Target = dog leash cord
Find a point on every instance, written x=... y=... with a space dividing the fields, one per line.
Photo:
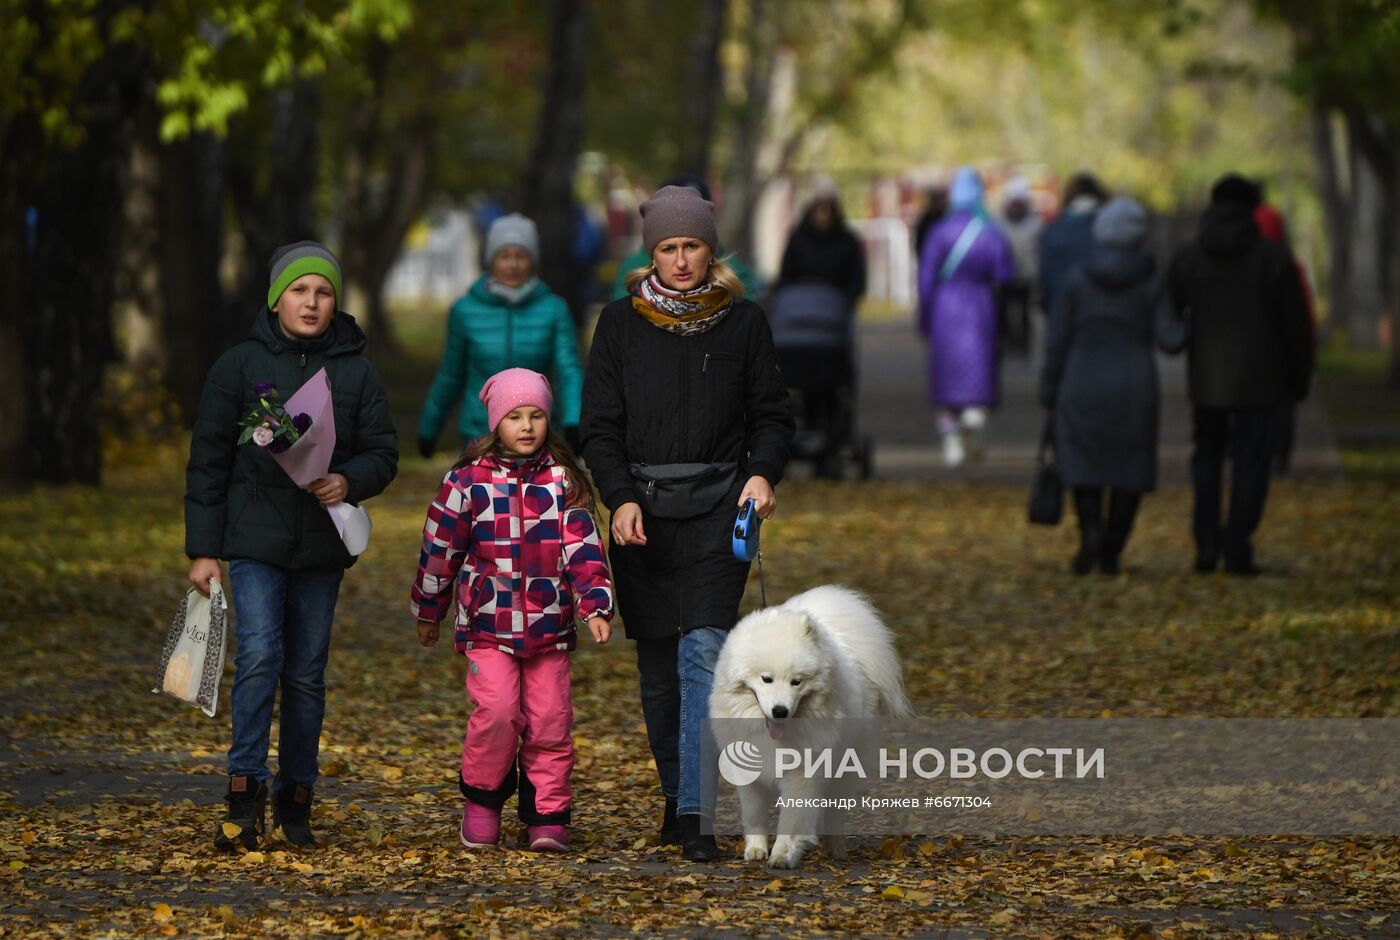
x=762 y=591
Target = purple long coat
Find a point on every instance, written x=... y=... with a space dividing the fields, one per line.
x=959 y=316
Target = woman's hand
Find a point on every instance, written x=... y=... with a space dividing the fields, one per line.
x=427 y=633
x=600 y=629
x=202 y=570
x=758 y=490
x=627 y=525
x=331 y=488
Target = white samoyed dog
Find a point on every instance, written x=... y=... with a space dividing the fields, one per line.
x=810 y=669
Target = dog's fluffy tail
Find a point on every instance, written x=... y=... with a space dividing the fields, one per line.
x=840 y=609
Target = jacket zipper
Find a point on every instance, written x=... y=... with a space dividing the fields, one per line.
x=684 y=431
x=518 y=607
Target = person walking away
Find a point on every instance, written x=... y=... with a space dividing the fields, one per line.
x=512 y=528
x=812 y=314
x=1022 y=225
x=965 y=261
x=285 y=558
x=1067 y=241
x=1273 y=227
x=508 y=318
x=1250 y=350
x=681 y=372
x=935 y=208
x=1100 y=380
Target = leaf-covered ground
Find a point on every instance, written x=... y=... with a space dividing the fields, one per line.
x=110 y=794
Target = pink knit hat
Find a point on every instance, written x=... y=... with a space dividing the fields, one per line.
x=508 y=389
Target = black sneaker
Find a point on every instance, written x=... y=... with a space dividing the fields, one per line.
x=291 y=811
x=243 y=825
x=670 y=827
x=696 y=846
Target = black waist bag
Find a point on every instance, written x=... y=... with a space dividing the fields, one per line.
x=682 y=490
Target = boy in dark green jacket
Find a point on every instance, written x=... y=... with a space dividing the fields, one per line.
x=285 y=557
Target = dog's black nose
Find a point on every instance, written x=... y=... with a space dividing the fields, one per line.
x=780 y=712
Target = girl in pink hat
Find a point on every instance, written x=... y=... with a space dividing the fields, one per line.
x=514 y=518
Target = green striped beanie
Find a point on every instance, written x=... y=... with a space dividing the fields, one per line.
x=292 y=261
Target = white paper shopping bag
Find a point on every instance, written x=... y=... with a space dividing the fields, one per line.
x=192 y=662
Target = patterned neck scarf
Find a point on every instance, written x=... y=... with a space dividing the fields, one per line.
x=687 y=312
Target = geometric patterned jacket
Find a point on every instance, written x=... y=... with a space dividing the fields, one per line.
x=527 y=564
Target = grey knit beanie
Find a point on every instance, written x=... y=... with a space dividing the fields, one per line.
x=513 y=229
x=678 y=211
x=292 y=261
x=1123 y=223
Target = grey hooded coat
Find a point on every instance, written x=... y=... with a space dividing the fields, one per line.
x=1100 y=373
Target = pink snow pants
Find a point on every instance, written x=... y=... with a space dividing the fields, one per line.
x=526 y=700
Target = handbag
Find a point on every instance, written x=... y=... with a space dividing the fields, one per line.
x=1047 y=491
x=682 y=490
x=192 y=660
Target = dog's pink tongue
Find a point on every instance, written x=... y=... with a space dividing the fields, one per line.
x=775 y=730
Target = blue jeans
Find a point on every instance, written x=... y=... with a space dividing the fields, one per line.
x=695 y=665
x=676 y=676
x=282 y=622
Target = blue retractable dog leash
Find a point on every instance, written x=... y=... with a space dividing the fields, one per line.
x=745 y=543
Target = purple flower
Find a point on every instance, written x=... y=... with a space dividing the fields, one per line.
x=279 y=445
x=301 y=422
x=263 y=388
x=262 y=436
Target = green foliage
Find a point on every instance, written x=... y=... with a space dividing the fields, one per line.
x=1158 y=98
x=1346 y=52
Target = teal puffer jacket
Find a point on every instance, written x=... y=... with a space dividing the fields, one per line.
x=239 y=503
x=485 y=334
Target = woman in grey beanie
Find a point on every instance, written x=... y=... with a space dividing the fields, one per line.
x=1100 y=380
x=682 y=372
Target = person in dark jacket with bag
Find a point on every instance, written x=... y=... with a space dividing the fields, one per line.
x=285 y=558
x=823 y=249
x=1250 y=351
x=685 y=418
x=1100 y=380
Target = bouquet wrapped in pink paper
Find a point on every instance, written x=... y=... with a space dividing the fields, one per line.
x=300 y=436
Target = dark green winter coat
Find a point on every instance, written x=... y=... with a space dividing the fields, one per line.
x=239 y=503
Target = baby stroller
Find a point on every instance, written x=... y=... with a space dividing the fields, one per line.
x=814 y=337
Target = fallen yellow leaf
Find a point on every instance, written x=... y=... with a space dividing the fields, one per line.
x=892 y=892
x=252 y=858
x=163 y=912
x=302 y=867
x=1003 y=917
x=231 y=830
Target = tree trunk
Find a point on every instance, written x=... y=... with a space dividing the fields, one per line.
x=1375 y=200
x=281 y=209
x=1337 y=205
x=379 y=212
x=19 y=142
x=744 y=182
x=548 y=181
x=69 y=299
x=707 y=83
x=190 y=247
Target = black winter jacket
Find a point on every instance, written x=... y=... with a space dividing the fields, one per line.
x=239 y=503
x=832 y=257
x=1251 y=339
x=651 y=396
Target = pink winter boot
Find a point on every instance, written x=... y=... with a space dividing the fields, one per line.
x=481 y=826
x=548 y=838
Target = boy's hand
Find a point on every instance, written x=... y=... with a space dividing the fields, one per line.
x=331 y=488
x=600 y=629
x=427 y=633
x=201 y=571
